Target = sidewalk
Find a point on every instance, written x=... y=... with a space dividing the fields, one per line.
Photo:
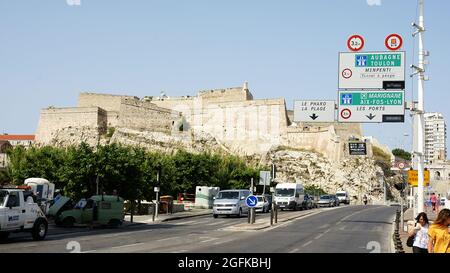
x=164 y=217
x=409 y=222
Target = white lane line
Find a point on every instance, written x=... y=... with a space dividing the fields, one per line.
x=318 y=236
x=294 y=250
x=223 y=242
x=215 y=223
x=324 y=226
x=179 y=251
x=184 y=223
x=125 y=233
x=136 y=244
x=169 y=238
x=342 y=228
x=307 y=244
x=328 y=230
x=89 y=251
x=209 y=240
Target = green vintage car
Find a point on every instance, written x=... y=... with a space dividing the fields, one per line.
x=104 y=210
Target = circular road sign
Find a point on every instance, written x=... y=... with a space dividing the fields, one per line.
x=393 y=42
x=355 y=42
x=401 y=165
x=251 y=201
x=347 y=73
x=346 y=113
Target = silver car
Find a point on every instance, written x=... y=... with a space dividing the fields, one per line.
x=230 y=202
x=326 y=201
x=263 y=204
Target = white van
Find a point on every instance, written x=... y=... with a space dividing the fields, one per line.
x=230 y=202
x=289 y=195
x=343 y=197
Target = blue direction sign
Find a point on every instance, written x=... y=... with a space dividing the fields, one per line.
x=251 y=201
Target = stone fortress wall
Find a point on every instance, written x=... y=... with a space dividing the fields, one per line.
x=231 y=116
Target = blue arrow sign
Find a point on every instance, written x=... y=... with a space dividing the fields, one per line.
x=251 y=201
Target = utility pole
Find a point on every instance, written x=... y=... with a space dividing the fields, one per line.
x=419 y=111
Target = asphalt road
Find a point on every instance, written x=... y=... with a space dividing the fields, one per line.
x=343 y=229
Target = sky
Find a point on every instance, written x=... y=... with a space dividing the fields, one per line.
x=52 y=50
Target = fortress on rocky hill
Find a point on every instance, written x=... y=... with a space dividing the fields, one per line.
x=231 y=117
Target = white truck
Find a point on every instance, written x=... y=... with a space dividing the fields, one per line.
x=343 y=197
x=289 y=196
x=19 y=213
x=43 y=189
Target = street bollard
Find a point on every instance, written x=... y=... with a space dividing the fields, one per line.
x=253 y=215
x=276 y=214
x=271 y=215
x=249 y=217
x=154 y=212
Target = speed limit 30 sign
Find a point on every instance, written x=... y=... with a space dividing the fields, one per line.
x=355 y=42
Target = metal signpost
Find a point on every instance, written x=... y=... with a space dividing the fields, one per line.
x=314 y=110
x=371 y=106
x=251 y=202
x=372 y=70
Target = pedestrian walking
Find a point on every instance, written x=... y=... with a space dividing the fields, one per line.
x=439 y=233
x=433 y=199
x=419 y=234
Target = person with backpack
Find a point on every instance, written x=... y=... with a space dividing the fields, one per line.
x=418 y=236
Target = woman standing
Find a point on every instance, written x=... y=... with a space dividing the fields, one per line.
x=439 y=233
x=420 y=233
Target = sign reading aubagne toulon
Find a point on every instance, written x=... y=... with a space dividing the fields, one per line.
x=372 y=70
x=371 y=106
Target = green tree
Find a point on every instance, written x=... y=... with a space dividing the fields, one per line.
x=401 y=153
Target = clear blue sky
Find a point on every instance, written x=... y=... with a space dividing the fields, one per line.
x=50 y=51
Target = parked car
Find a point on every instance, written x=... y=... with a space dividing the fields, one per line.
x=325 y=201
x=442 y=201
x=230 y=202
x=343 y=197
x=336 y=200
x=263 y=204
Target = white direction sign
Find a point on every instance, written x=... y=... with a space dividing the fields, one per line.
x=314 y=111
x=371 y=106
x=264 y=178
x=372 y=70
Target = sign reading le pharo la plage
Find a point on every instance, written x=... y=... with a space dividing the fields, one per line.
x=371 y=106
x=314 y=111
x=372 y=70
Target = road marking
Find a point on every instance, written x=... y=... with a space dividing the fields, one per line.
x=179 y=251
x=223 y=242
x=328 y=230
x=169 y=238
x=184 y=223
x=89 y=251
x=342 y=228
x=215 y=223
x=294 y=250
x=136 y=244
x=318 y=236
x=209 y=240
x=124 y=233
x=306 y=244
x=324 y=226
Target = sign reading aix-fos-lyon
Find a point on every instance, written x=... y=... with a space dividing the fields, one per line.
x=371 y=106
x=372 y=70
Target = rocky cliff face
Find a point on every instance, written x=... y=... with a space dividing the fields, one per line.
x=356 y=175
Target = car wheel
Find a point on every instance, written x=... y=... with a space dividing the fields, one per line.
x=4 y=236
x=114 y=223
x=215 y=215
x=39 y=229
x=68 y=222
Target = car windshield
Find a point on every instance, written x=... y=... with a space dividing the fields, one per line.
x=325 y=197
x=228 y=195
x=260 y=199
x=340 y=194
x=284 y=192
x=3 y=195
